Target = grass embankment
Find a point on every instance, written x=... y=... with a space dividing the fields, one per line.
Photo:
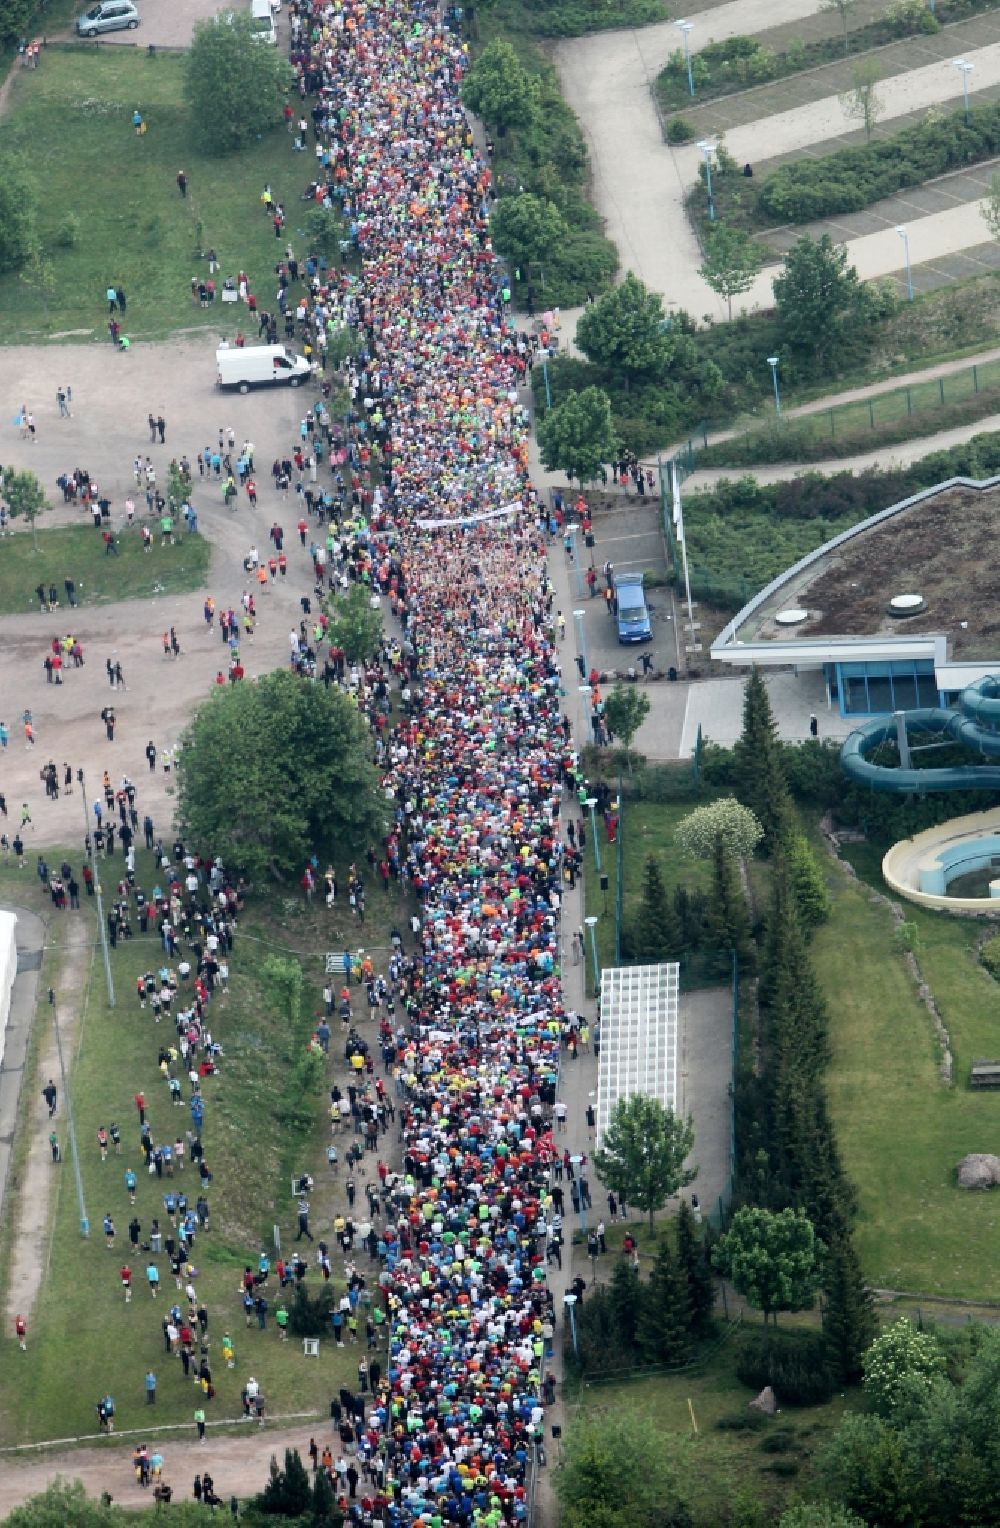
x=865 y=424
x=84 y=1339
x=133 y=227
x=900 y=1129
x=77 y=552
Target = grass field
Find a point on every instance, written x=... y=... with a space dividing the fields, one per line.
x=251 y=1149
x=77 y=551
x=865 y=423
x=901 y=1131
x=725 y=1464
x=133 y=227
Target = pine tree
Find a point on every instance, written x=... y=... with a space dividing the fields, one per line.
x=758 y=767
x=288 y=1492
x=730 y=920
x=656 y=934
x=665 y=1315
x=324 y=1503
x=812 y=895
x=625 y=1294
x=849 y=1322
x=695 y=1270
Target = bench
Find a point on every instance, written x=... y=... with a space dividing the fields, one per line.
x=985 y=1074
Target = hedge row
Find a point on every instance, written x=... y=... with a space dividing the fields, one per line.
x=853 y=178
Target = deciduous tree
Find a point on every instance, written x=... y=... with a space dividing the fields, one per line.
x=620 y=1469
x=625 y=710
x=727 y=821
x=773 y=1260
x=626 y=331
x=499 y=89
x=234 y=87
x=816 y=297
x=527 y=227
x=25 y=497
x=577 y=436
x=643 y=1153
x=18 y=214
x=276 y=771
x=731 y=264
x=355 y=623
x=899 y=1362
x=862 y=101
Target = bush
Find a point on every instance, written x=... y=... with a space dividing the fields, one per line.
x=68 y=232
x=743 y=1422
x=780 y=1442
x=990 y=956
x=309 y=1314
x=679 y=130
x=850 y=179
x=794 y=1364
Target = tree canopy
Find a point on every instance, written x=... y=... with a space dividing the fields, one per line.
x=276 y=770
x=772 y=1259
x=577 y=436
x=355 y=623
x=620 y=1469
x=626 y=331
x=725 y=822
x=527 y=227
x=499 y=89
x=235 y=87
x=731 y=263
x=24 y=496
x=816 y=297
x=625 y=710
x=18 y=211
x=643 y=1151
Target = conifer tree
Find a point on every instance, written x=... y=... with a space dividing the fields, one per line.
x=696 y=1270
x=656 y=932
x=758 y=768
x=849 y=1323
x=324 y=1503
x=812 y=895
x=665 y=1314
x=625 y=1294
x=729 y=915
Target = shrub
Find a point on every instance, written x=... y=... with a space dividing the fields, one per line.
x=68 y=232
x=743 y=1421
x=990 y=956
x=782 y=1467
x=679 y=130
x=781 y=1441
x=794 y=1364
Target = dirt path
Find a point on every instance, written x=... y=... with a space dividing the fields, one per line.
x=39 y=1183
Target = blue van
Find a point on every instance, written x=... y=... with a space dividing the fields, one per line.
x=633 y=617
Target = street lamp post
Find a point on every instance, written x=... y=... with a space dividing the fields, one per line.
x=685 y=29
x=577 y=1161
x=591 y=805
x=572 y=532
x=965 y=69
x=581 y=641
x=708 y=149
x=591 y=923
x=772 y=361
x=545 y=378
x=904 y=235
x=585 y=712
x=570 y=1301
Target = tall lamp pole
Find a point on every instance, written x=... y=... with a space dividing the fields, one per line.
x=772 y=361
x=965 y=69
x=591 y=805
x=708 y=149
x=570 y=1301
x=581 y=640
x=685 y=30
x=591 y=923
x=904 y=235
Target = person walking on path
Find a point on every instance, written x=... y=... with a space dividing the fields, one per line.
x=49 y=1094
x=199 y=1421
x=21 y=1332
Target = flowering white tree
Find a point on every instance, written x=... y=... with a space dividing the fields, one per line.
x=727 y=821
x=900 y=1363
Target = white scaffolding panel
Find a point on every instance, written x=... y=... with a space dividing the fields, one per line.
x=639 y=1037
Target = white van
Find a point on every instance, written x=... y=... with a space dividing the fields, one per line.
x=262 y=16
x=259 y=365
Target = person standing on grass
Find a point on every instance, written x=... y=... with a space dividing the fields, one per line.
x=21 y=1332
x=199 y=1420
x=182 y=183
x=150 y=1388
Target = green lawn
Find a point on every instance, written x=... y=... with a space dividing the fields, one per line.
x=648 y=830
x=251 y=1151
x=134 y=228
x=725 y=1463
x=77 y=551
x=900 y=1130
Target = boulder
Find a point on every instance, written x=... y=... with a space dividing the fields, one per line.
x=765 y=1402
x=979 y=1170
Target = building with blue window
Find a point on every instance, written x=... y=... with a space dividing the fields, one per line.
x=901 y=611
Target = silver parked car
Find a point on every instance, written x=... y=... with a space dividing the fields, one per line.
x=107 y=16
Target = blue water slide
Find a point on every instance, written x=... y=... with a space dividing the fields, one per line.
x=974 y=723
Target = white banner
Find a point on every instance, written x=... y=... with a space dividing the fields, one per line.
x=678 y=512
x=462 y=520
